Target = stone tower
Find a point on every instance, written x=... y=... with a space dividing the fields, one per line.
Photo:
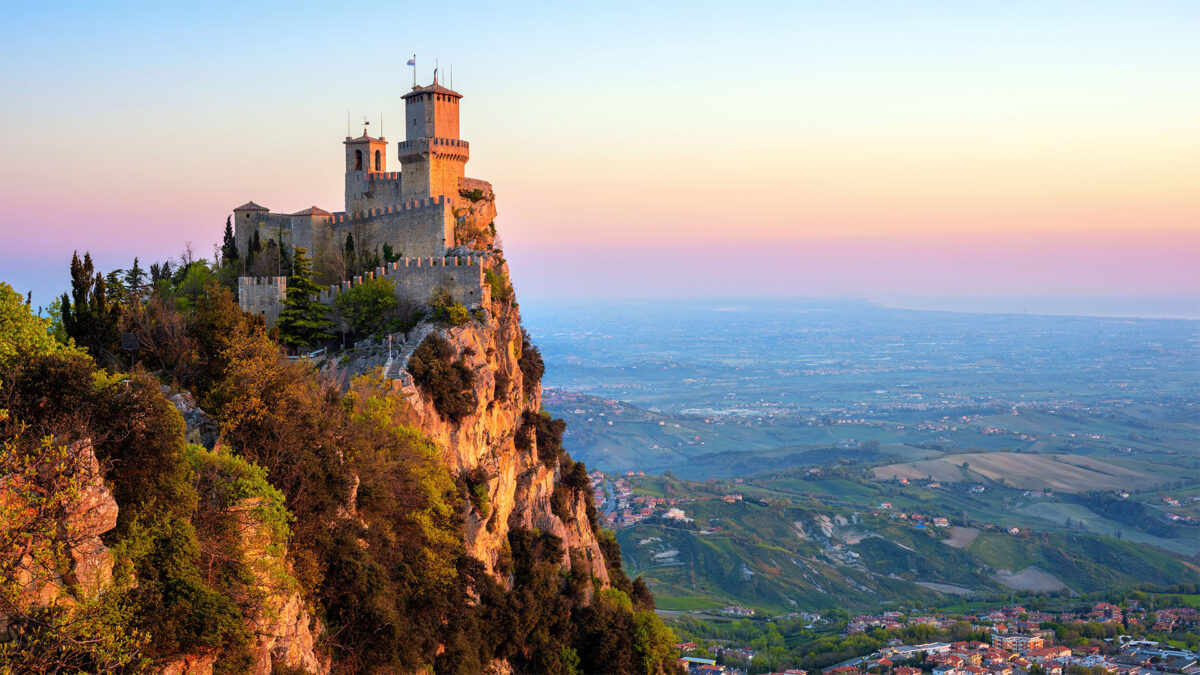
x=432 y=158
x=364 y=155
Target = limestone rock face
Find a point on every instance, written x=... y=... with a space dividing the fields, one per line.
x=93 y=514
x=473 y=226
x=519 y=486
x=285 y=632
x=88 y=563
x=190 y=664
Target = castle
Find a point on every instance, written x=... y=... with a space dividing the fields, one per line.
x=429 y=213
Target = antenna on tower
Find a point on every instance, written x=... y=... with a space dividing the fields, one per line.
x=435 y=69
x=452 y=75
x=347 y=123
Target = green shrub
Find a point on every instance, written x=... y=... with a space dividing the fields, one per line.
x=501 y=288
x=547 y=432
x=448 y=312
x=446 y=380
x=475 y=482
x=224 y=480
x=473 y=195
x=173 y=604
x=532 y=366
x=560 y=502
x=500 y=387
x=367 y=307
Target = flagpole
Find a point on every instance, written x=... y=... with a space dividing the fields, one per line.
x=414 y=71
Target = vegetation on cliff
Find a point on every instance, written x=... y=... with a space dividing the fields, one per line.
x=357 y=510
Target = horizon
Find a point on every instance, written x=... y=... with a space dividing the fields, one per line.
x=1169 y=308
x=1029 y=150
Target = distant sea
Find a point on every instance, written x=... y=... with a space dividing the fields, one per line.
x=1150 y=307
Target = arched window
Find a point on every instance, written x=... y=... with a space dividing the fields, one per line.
x=358 y=160
x=378 y=162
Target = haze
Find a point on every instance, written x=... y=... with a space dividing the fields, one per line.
x=886 y=151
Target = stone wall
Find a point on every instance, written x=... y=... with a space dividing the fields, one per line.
x=269 y=226
x=413 y=279
x=419 y=279
x=419 y=228
x=416 y=229
x=262 y=296
x=432 y=166
x=372 y=190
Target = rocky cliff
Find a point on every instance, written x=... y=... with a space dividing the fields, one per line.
x=74 y=508
x=485 y=442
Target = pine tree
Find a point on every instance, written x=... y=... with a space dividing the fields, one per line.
x=304 y=321
x=114 y=282
x=135 y=281
x=229 y=250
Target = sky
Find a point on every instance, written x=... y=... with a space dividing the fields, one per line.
x=881 y=150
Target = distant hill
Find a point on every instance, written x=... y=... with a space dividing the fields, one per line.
x=819 y=542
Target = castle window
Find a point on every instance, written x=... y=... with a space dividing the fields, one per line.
x=378 y=161
x=358 y=160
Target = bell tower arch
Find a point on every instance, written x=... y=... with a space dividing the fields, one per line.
x=364 y=155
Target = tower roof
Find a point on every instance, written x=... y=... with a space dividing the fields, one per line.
x=434 y=88
x=364 y=139
x=313 y=211
x=251 y=206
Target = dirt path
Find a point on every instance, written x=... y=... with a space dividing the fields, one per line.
x=945 y=588
x=1032 y=578
x=961 y=537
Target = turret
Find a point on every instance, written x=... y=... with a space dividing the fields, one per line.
x=432 y=157
x=364 y=155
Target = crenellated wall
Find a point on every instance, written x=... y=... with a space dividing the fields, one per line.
x=419 y=279
x=372 y=190
x=262 y=296
x=419 y=228
x=413 y=280
x=432 y=166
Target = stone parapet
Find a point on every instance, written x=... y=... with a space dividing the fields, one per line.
x=442 y=147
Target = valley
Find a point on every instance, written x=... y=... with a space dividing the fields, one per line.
x=823 y=455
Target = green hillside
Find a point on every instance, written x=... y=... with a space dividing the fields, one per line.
x=800 y=541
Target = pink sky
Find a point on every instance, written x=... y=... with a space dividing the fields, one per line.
x=782 y=149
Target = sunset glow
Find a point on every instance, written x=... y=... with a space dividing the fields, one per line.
x=863 y=150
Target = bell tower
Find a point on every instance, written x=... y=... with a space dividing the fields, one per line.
x=364 y=155
x=432 y=157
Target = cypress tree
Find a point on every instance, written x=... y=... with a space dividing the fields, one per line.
x=351 y=269
x=229 y=250
x=86 y=313
x=284 y=263
x=252 y=250
x=304 y=321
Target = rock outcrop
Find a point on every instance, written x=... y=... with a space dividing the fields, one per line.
x=520 y=487
x=199 y=427
x=86 y=567
x=474 y=218
x=285 y=631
